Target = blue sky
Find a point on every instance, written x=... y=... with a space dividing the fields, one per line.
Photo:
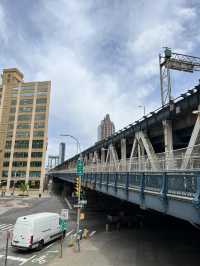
x=101 y=56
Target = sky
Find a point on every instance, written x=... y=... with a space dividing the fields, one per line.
x=100 y=55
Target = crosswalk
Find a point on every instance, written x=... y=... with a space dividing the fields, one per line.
x=5 y=227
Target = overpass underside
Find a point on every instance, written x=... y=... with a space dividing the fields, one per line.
x=154 y=162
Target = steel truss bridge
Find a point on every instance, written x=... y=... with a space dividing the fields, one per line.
x=154 y=162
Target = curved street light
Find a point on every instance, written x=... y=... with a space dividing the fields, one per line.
x=77 y=141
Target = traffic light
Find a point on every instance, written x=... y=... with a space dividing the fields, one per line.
x=77 y=186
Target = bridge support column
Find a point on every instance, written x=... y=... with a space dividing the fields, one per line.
x=103 y=157
x=112 y=158
x=168 y=141
x=192 y=142
x=123 y=154
x=143 y=137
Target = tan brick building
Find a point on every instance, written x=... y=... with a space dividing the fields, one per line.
x=24 y=108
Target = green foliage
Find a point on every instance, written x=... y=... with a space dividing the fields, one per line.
x=24 y=187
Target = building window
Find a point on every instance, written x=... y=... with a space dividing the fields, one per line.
x=21 y=144
x=29 y=88
x=34 y=174
x=7 y=154
x=41 y=108
x=5 y=173
x=8 y=144
x=10 y=126
x=24 y=117
x=13 y=102
x=42 y=88
x=41 y=100
x=37 y=144
x=22 y=134
x=23 y=126
x=39 y=125
x=25 y=109
x=19 y=164
x=26 y=101
x=9 y=134
x=40 y=117
x=20 y=154
x=5 y=163
x=18 y=173
x=12 y=118
x=36 y=154
x=12 y=109
x=38 y=134
x=36 y=164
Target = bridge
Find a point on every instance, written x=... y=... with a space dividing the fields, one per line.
x=154 y=162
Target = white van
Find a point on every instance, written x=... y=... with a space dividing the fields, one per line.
x=33 y=231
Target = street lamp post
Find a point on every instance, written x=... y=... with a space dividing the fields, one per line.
x=79 y=198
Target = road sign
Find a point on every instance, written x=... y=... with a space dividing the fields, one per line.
x=63 y=224
x=65 y=214
x=84 y=202
x=78 y=206
x=79 y=167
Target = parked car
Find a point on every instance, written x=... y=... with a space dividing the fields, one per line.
x=35 y=230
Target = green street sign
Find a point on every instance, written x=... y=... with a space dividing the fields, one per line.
x=62 y=224
x=79 y=167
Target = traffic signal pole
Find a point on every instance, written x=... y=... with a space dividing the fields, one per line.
x=78 y=217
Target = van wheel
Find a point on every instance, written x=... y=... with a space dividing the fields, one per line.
x=40 y=245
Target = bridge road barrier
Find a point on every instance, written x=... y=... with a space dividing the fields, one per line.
x=176 y=193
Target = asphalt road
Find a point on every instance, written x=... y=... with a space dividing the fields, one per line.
x=160 y=241
x=8 y=218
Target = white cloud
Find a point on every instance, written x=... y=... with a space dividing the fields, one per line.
x=66 y=47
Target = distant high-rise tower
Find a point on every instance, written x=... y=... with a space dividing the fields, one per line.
x=61 y=152
x=106 y=128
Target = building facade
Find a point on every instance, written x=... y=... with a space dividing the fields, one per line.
x=106 y=128
x=61 y=152
x=24 y=109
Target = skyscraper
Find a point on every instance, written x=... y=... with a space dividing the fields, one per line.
x=106 y=128
x=61 y=152
x=24 y=109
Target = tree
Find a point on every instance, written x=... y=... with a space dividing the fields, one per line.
x=24 y=187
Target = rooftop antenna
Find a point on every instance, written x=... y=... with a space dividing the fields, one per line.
x=174 y=61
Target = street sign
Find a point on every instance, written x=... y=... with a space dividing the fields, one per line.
x=65 y=214
x=78 y=206
x=79 y=167
x=84 y=202
x=63 y=224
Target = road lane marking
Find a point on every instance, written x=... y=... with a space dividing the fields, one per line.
x=68 y=203
x=27 y=260
x=49 y=246
x=69 y=233
x=53 y=251
x=91 y=234
x=7 y=228
x=4 y=227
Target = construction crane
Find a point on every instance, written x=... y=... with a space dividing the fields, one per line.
x=174 y=61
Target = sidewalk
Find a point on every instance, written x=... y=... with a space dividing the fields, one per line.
x=103 y=249
x=90 y=255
